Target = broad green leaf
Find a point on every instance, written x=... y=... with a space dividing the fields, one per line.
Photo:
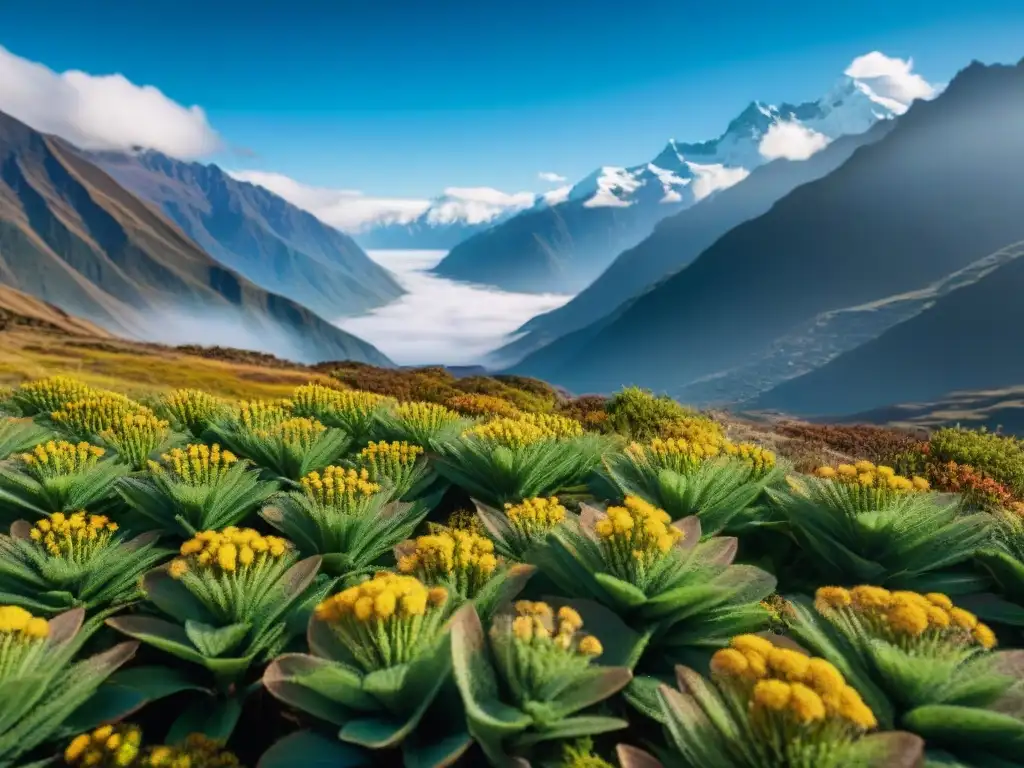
x=214 y=717
x=622 y=593
x=569 y=728
x=967 y=728
x=215 y=641
x=311 y=750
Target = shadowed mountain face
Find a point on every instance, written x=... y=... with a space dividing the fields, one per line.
x=248 y=229
x=679 y=239
x=968 y=340
x=940 y=190
x=72 y=236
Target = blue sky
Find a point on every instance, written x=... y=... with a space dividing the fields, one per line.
x=407 y=98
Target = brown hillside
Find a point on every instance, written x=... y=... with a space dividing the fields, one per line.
x=72 y=236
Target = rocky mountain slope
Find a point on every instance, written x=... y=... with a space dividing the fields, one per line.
x=679 y=239
x=72 y=236
x=251 y=230
x=942 y=188
x=563 y=248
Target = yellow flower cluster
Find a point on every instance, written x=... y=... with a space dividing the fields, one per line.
x=227 y=551
x=555 y=425
x=198 y=751
x=257 y=415
x=637 y=532
x=316 y=398
x=460 y=520
x=866 y=475
x=534 y=517
x=338 y=487
x=138 y=428
x=685 y=454
x=62 y=458
x=97 y=413
x=760 y=459
x=908 y=619
x=196 y=465
x=108 y=745
x=694 y=429
x=483 y=405
x=18 y=622
x=51 y=394
x=74 y=537
x=192 y=408
x=536 y=624
x=386 y=597
x=462 y=557
x=426 y=415
x=787 y=683
x=512 y=433
x=389 y=460
x=298 y=432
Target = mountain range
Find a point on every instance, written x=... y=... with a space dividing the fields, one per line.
x=563 y=248
x=679 y=239
x=248 y=229
x=941 y=190
x=72 y=236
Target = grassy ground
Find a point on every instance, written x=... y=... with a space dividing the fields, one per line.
x=135 y=369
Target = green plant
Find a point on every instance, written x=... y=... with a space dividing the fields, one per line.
x=508 y=460
x=379 y=659
x=343 y=517
x=401 y=468
x=464 y=563
x=658 y=577
x=864 y=524
x=191 y=410
x=86 y=419
x=353 y=411
x=42 y=684
x=519 y=527
x=18 y=435
x=135 y=438
x=920 y=662
x=57 y=476
x=997 y=456
x=44 y=396
x=718 y=481
x=232 y=599
x=196 y=488
x=766 y=706
x=285 y=445
x=526 y=680
x=425 y=424
x=70 y=561
x=639 y=415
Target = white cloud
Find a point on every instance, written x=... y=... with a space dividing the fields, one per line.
x=554 y=178
x=713 y=177
x=101 y=111
x=346 y=209
x=353 y=211
x=891 y=78
x=439 y=321
x=792 y=141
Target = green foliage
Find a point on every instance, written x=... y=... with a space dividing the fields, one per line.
x=528 y=679
x=639 y=415
x=66 y=562
x=997 y=456
x=194 y=489
x=18 y=435
x=43 y=684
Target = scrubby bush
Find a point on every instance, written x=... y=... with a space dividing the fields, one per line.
x=482 y=405
x=640 y=415
x=881 y=445
x=993 y=455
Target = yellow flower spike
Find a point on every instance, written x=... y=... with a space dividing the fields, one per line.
x=823 y=677
x=870 y=597
x=590 y=646
x=939 y=599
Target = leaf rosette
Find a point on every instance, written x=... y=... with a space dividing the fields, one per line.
x=379 y=658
